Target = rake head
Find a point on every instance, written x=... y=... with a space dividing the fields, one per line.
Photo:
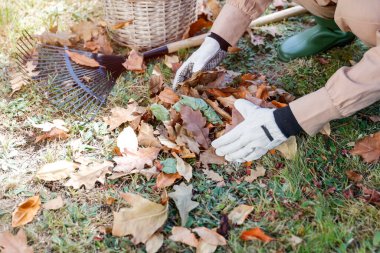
x=71 y=87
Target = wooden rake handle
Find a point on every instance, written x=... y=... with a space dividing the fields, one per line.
x=198 y=40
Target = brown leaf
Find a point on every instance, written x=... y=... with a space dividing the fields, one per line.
x=156 y=81
x=237 y=118
x=122 y=24
x=371 y=196
x=85 y=30
x=214 y=177
x=195 y=123
x=255 y=233
x=289 y=148
x=82 y=59
x=53 y=134
x=196 y=27
x=214 y=7
x=254 y=174
x=368 y=148
x=326 y=129
x=278 y=104
x=54 y=204
x=141 y=220
x=135 y=62
x=214 y=105
x=88 y=175
x=182 y=197
x=14 y=243
x=210 y=236
x=135 y=161
x=170 y=61
x=375 y=118
x=204 y=247
x=56 y=171
x=239 y=214
x=183 y=168
x=262 y=92
x=154 y=243
x=227 y=101
x=166 y=180
x=354 y=176
x=59 y=38
x=146 y=136
x=184 y=235
x=25 y=211
x=168 y=96
x=209 y=157
x=200 y=78
x=121 y=115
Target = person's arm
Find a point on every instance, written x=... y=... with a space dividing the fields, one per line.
x=349 y=90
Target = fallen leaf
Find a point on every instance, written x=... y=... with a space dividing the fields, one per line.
x=135 y=62
x=368 y=148
x=58 y=38
x=196 y=27
x=25 y=211
x=254 y=174
x=204 y=247
x=168 y=96
x=184 y=235
x=166 y=180
x=82 y=59
x=122 y=24
x=170 y=60
x=146 y=136
x=295 y=240
x=227 y=101
x=154 y=243
x=183 y=168
x=54 y=134
x=169 y=166
x=121 y=115
x=224 y=226
x=371 y=196
x=195 y=123
x=56 y=171
x=289 y=148
x=156 y=81
x=88 y=175
x=160 y=112
x=14 y=243
x=47 y=126
x=54 y=204
x=262 y=92
x=214 y=7
x=209 y=157
x=127 y=141
x=239 y=214
x=141 y=220
x=182 y=197
x=214 y=177
x=85 y=30
x=354 y=176
x=255 y=233
x=210 y=236
x=326 y=130
x=135 y=162
x=375 y=118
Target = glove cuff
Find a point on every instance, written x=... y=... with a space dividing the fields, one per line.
x=286 y=122
x=224 y=45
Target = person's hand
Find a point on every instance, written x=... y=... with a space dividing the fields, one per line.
x=253 y=137
x=207 y=57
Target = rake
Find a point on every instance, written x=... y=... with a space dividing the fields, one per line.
x=74 y=88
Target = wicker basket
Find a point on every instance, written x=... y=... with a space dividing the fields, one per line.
x=155 y=22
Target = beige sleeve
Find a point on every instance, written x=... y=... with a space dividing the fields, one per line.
x=349 y=90
x=236 y=16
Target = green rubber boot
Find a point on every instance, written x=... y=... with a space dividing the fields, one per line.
x=325 y=35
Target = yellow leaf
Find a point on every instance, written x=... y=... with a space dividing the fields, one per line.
x=289 y=148
x=239 y=214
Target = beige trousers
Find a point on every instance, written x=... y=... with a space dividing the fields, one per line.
x=350 y=89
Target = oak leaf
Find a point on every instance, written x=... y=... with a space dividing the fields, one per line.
x=182 y=198
x=56 y=171
x=184 y=235
x=210 y=236
x=255 y=233
x=154 y=243
x=82 y=59
x=195 y=123
x=141 y=220
x=166 y=180
x=25 y=211
x=14 y=243
x=135 y=62
x=239 y=214
x=368 y=148
x=54 y=204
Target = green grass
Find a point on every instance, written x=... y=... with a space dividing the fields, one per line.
x=290 y=200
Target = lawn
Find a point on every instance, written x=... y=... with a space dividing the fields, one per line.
x=305 y=197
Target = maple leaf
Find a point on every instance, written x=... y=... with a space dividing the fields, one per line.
x=56 y=171
x=166 y=180
x=184 y=235
x=88 y=175
x=82 y=59
x=375 y=118
x=154 y=243
x=183 y=139
x=168 y=96
x=183 y=168
x=121 y=115
x=289 y=148
x=141 y=220
x=210 y=236
x=54 y=204
x=368 y=148
x=135 y=62
x=53 y=134
x=254 y=174
x=182 y=198
x=239 y=214
x=14 y=243
x=25 y=211
x=255 y=233
x=195 y=123
x=146 y=136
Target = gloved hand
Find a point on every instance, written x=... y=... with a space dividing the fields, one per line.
x=207 y=57
x=253 y=137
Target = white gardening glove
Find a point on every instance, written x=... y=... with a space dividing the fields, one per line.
x=253 y=137
x=207 y=57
